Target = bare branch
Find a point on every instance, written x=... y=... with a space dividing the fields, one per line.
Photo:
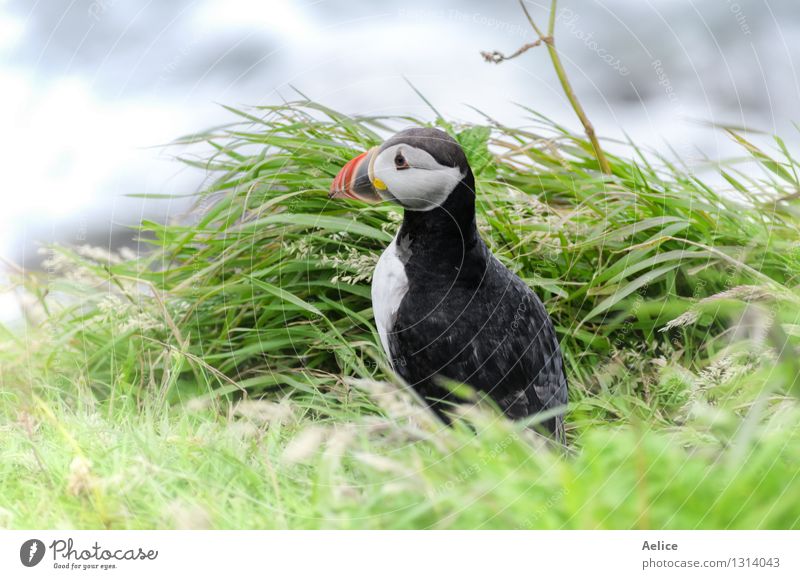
x=497 y=57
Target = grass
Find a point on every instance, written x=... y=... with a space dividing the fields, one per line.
x=230 y=376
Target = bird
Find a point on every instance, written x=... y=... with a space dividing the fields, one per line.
x=446 y=309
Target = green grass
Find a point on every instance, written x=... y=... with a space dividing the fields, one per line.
x=230 y=375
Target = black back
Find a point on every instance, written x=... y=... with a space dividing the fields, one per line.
x=467 y=317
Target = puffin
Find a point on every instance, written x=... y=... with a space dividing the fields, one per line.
x=446 y=309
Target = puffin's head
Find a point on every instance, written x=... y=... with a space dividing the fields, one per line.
x=418 y=168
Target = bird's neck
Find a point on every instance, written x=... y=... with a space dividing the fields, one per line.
x=446 y=232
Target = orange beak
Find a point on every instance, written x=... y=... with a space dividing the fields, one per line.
x=353 y=180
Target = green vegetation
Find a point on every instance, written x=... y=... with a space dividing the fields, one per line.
x=230 y=375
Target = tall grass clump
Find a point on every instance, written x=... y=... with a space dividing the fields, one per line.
x=229 y=373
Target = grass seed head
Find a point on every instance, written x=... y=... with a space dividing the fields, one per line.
x=80 y=480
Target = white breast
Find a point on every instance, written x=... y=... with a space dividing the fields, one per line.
x=389 y=285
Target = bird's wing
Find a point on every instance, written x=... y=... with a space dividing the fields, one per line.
x=527 y=356
x=496 y=337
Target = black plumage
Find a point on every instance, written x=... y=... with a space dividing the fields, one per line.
x=445 y=307
x=465 y=316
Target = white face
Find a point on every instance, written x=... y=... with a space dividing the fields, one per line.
x=413 y=177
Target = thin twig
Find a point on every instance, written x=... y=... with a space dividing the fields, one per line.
x=497 y=57
x=549 y=40
x=566 y=85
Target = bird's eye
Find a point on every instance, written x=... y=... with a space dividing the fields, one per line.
x=400 y=162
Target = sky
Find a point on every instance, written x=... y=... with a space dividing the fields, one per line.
x=91 y=90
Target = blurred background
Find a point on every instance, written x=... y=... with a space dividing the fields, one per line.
x=90 y=90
